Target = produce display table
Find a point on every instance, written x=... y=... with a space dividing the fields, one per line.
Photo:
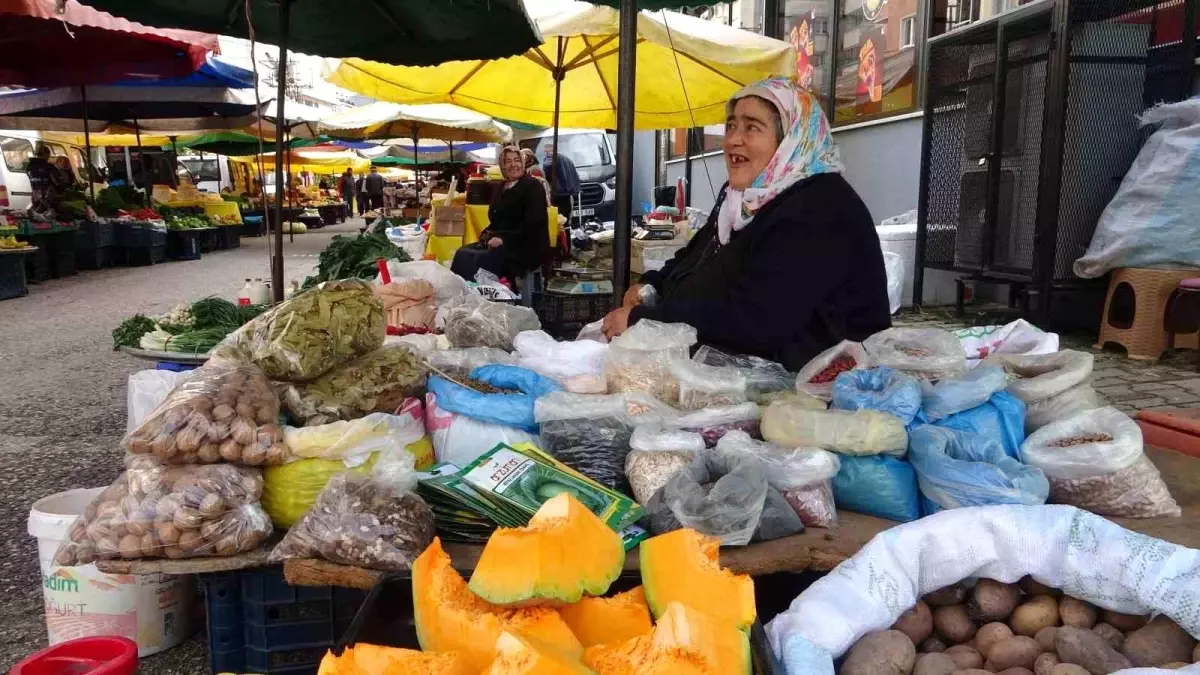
x=201 y=565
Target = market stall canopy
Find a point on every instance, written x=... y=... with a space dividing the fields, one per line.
x=308 y=160
x=107 y=139
x=686 y=70
x=114 y=103
x=234 y=143
x=45 y=47
x=214 y=72
x=400 y=153
x=420 y=32
x=442 y=121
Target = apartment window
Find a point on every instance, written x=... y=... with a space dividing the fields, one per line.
x=908 y=32
x=806 y=26
x=708 y=139
x=876 y=71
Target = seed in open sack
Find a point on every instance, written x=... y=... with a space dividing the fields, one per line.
x=1080 y=440
x=649 y=471
x=840 y=365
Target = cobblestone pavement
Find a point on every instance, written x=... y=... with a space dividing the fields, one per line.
x=62 y=404
x=1128 y=385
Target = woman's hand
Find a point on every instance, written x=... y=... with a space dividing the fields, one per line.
x=633 y=296
x=616 y=322
x=495 y=242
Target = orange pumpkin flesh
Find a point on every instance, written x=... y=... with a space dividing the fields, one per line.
x=618 y=618
x=521 y=655
x=450 y=618
x=684 y=566
x=367 y=659
x=684 y=641
x=565 y=553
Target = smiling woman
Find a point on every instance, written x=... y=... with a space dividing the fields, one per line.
x=789 y=263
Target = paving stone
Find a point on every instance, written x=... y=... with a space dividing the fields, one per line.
x=1140 y=403
x=1110 y=382
x=1183 y=398
x=1155 y=386
x=1105 y=373
x=1120 y=393
x=1192 y=384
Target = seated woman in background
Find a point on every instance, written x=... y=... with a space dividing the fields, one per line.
x=533 y=168
x=789 y=263
x=516 y=239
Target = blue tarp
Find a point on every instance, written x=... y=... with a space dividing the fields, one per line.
x=214 y=73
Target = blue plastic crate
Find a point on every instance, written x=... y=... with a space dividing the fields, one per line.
x=258 y=623
x=174 y=367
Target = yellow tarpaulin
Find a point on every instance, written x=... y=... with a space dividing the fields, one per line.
x=119 y=140
x=320 y=162
x=687 y=68
x=442 y=121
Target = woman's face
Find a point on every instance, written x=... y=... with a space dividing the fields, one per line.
x=750 y=141
x=512 y=165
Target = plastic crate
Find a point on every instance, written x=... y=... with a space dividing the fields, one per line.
x=257 y=623
x=183 y=244
x=37 y=263
x=229 y=236
x=95 y=234
x=12 y=275
x=62 y=255
x=252 y=226
x=563 y=315
x=175 y=367
x=142 y=256
x=141 y=243
x=95 y=258
x=209 y=239
x=386 y=618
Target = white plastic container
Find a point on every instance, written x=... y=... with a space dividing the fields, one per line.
x=244 y=295
x=260 y=294
x=153 y=610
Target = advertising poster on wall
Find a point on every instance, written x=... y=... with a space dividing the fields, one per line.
x=801 y=38
x=869 y=99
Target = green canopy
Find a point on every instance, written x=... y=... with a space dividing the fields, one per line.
x=235 y=143
x=403 y=32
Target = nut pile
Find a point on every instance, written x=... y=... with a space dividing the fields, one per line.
x=1080 y=440
x=362 y=521
x=157 y=511
x=215 y=416
x=1025 y=628
x=1137 y=491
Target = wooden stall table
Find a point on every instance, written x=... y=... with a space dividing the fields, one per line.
x=200 y=565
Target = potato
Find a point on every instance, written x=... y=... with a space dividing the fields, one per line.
x=934 y=664
x=163 y=447
x=1045 y=638
x=254 y=454
x=107 y=548
x=167 y=533
x=933 y=645
x=1044 y=663
x=209 y=453
x=990 y=634
x=265 y=413
x=886 y=652
x=916 y=623
x=245 y=408
x=231 y=451
x=227 y=545
x=1034 y=615
x=973 y=671
x=953 y=623
x=1076 y=612
x=1015 y=671
x=992 y=600
x=1015 y=652
x=172 y=552
x=149 y=546
x=1085 y=648
x=944 y=597
x=1068 y=669
x=1114 y=637
x=130 y=546
x=191 y=541
x=965 y=657
x=167 y=506
x=1126 y=623
x=1158 y=642
x=187 y=518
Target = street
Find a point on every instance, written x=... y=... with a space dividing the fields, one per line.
x=62 y=402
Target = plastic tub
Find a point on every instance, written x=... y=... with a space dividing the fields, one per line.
x=83 y=656
x=155 y=610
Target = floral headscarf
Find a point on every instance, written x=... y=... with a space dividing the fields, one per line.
x=806 y=150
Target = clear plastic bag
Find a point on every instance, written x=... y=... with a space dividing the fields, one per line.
x=649 y=470
x=653 y=438
x=512 y=406
x=639 y=359
x=289 y=491
x=953 y=395
x=882 y=389
x=802 y=475
x=713 y=423
x=721 y=496
x=312 y=333
x=1077 y=399
x=146 y=391
x=458 y=363
x=595 y=447
x=926 y=353
x=634 y=407
x=957 y=469
x=1036 y=378
x=702 y=386
x=375 y=521
x=375 y=382
x=862 y=432
x=461 y=439
x=1001 y=418
x=214 y=416
x=817 y=376
x=446 y=284
x=577 y=366
x=354 y=440
x=471 y=321
x=157 y=511
x=1095 y=460
x=878 y=485
x=763 y=377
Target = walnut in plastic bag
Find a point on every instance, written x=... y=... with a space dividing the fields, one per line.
x=155 y=511
x=1136 y=491
x=223 y=412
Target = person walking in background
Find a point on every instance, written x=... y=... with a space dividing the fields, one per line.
x=346 y=189
x=373 y=185
x=360 y=189
x=564 y=180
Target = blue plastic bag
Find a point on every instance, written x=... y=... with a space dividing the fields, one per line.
x=1002 y=418
x=877 y=485
x=510 y=410
x=959 y=468
x=882 y=389
x=962 y=393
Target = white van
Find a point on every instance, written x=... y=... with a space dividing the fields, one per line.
x=594 y=153
x=18 y=147
x=209 y=172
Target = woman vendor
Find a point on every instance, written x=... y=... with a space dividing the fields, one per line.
x=789 y=263
x=516 y=239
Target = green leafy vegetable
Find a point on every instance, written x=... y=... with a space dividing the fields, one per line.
x=131 y=330
x=354 y=257
x=197 y=341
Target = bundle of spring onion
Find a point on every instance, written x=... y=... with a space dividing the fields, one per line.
x=193 y=329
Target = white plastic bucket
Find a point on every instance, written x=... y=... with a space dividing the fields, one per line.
x=154 y=610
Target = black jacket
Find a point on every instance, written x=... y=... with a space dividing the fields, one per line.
x=518 y=216
x=805 y=274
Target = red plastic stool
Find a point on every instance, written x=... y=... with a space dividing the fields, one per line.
x=1182 y=313
x=82 y=656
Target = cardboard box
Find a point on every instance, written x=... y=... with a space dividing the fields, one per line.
x=449 y=221
x=637 y=264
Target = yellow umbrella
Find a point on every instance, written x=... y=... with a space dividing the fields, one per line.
x=112 y=139
x=441 y=121
x=318 y=162
x=686 y=70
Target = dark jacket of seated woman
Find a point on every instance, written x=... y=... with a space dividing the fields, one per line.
x=790 y=265
x=517 y=217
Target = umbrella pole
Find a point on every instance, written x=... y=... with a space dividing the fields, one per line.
x=175 y=149
x=87 y=144
x=417 y=178
x=291 y=205
x=626 y=71
x=277 y=264
x=558 y=78
x=137 y=135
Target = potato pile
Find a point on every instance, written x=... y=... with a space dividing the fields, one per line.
x=158 y=511
x=1024 y=628
x=223 y=412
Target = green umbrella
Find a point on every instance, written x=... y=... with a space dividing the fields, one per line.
x=403 y=32
x=235 y=143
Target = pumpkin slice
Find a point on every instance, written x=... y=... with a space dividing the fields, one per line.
x=564 y=553
x=684 y=566
x=684 y=641
x=522 y=655
x=618 y=618
x=450 y=618
x=367 y=659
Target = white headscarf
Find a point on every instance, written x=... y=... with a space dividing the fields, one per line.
x=806 y=150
